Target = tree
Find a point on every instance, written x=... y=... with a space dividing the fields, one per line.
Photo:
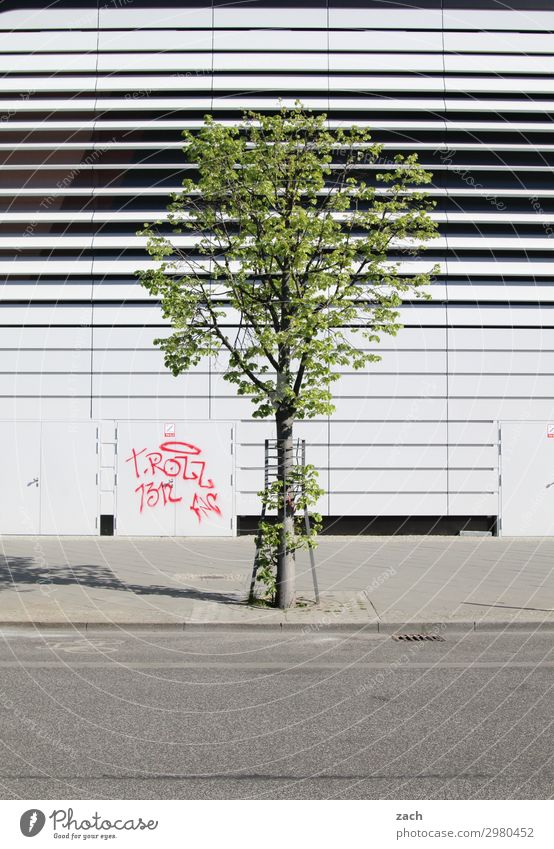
x=297 y=244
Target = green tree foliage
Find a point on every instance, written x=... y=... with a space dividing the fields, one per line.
x=299 y=235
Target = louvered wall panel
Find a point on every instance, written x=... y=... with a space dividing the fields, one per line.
x=92 y=101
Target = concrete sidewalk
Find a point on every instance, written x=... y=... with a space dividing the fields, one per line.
x=378 y=583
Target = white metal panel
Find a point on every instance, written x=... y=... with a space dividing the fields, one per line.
x=177 y=484
x=527 y=494
x=20 y=478
x=69 y=478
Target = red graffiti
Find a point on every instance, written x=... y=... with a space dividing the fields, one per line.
x=150 y=494
x=202 y=505
x=172 y=461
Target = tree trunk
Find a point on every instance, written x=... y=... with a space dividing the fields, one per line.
x=286 y=591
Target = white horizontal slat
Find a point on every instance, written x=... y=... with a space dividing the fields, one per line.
x=55 y=41
x=41 y=290
x=473 y=457
x=166 y=17
x=128 y=314
x=45 y=360
x=159 y=385
x=396 y=40
x=473 y=480
x=151 y=40
x=39 y=338
x=500 y=385
x=13 y=314
x=128 y=338
x=252 y=480
x=417 y=408
x=241 y=82
x=248 y=503
x=149 y=408
x=226 y=17
x=252 y=456
x=132 y=361
x=388 y=480
x=520 y=291
x=388 y=504
x=390 y=457
x=471 y=18
x=395 y=18
x=501 y=315
x=501 y=362
x=270 y=40
x=63 y=409
x=395 y=433
x=501 y=408
x=498 y=42
x=48 y=18
x=256 y=431
x=512 y=63
x=504 y=339
x=476 y=504
x=396 y=385
x=71 y=384
x=472 y=433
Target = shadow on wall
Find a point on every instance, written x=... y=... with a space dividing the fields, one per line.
x=24 y=574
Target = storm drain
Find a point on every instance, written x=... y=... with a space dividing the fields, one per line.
x=417 y=638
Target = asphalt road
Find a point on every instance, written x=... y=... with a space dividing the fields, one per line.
x=275 y=715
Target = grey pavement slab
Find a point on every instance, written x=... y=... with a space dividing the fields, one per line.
x=364 y=581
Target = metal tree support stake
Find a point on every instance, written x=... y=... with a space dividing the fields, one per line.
x=271 y=474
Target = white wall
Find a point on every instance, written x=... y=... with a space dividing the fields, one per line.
x=414 y=435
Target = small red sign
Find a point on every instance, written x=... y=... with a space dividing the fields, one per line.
x=169 y=429
x=550 y=431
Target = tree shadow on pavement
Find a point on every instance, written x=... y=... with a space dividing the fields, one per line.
x=24 y=574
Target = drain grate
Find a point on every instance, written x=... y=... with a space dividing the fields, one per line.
x=416 y=638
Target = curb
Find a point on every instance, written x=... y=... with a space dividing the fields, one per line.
x=374 y=628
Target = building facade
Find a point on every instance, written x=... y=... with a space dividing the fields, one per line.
x=449 y=431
